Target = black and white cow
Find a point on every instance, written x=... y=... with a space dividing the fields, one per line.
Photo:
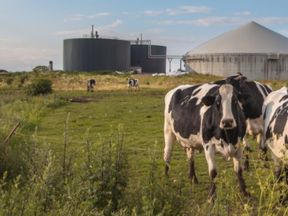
x=275 y=114
x=208 y=117
x=90 y=85
x=252 y=111
x=133 y=83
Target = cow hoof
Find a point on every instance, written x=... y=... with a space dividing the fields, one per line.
x=211 y=199
x=246 y=167
x=246 y=194
x=193 y=180
x=166 y=170
x=266 y=165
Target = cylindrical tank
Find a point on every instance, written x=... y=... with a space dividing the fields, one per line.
x=91 y=54
x=140 y=57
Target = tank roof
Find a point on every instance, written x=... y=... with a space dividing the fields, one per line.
x=250 y=38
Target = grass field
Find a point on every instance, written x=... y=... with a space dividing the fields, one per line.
x=71 y=116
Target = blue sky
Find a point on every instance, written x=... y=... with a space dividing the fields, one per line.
x=32 y=31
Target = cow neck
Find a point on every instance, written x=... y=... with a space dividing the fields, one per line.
x=254 y=111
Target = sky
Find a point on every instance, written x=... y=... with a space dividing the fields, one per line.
x=32 y=31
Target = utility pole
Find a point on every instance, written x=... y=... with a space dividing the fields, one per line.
x=170 y=60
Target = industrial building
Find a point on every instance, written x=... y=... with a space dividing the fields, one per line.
x=254 y=50
x=150 y=58
x=97 y=53
x=91 y=54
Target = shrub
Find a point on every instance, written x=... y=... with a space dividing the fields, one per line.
x=40 y=86
x=23 y=78
x=9 y=80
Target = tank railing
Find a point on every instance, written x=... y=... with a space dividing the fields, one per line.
x=107 y=37
x=140 y=42
x=101 y=37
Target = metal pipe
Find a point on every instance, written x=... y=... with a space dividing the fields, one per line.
x=92 y=32
x=156 y=56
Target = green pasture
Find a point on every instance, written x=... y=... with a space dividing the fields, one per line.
x=71 y=118
x=99 y=114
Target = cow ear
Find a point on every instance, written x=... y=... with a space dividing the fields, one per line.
x=245 y=98
x=208 y=100
x=242 y=80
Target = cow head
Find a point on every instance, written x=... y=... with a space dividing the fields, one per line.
x=226 y=105
x=237 y=80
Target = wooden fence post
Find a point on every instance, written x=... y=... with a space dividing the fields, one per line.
x=12 y=132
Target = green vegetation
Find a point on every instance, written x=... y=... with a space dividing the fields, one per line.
x=82 y=153
x=39 y=86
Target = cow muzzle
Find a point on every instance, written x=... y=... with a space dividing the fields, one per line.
x=227 y=124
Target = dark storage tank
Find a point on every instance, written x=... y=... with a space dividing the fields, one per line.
x=154 y=63
x=94 y=54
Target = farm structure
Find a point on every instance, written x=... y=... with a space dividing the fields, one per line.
x=90 y=54
x=97 y=53
x=252 y=49
x=150 y=58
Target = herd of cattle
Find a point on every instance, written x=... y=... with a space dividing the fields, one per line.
x=217 y=117
x=130 y=84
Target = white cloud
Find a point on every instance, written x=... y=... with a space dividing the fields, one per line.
x=193 y=9
x=78 y=17
x=154 y=31
x=153 y=13
x=98 y=15
x=284 y=32
x=23 y=58
x=271 y=20
x=172 y=12
x=73 y=32
x=189 y=9
x=113 y=25
x=224 y=21
x=7 y=40
x=25 y=54
x=164 y=22
x=243 y=13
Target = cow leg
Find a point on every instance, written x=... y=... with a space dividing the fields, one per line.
x=262 y=147
x=169 y=144
x=238 y=169
x=210 y=158
x=191 y=157
x=278 y=167
x=247 y=150
x=88 y=88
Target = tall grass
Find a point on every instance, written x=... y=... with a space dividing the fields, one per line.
x=17 y=107
x=98 y=184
